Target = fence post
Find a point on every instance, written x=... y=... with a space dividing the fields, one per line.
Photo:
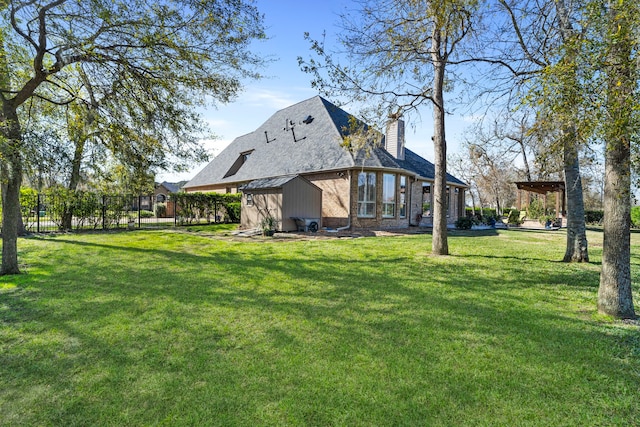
x=139 y=208
x=175 y=212
x=38 y=213
x=104 y=212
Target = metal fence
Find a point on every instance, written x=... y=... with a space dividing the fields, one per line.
x=85 y=211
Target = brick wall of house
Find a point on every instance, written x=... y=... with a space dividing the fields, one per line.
x=378 y=221
x=418 y=216
x=335 y=197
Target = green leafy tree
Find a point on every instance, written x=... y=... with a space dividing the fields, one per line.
x=147 y=61
x=588 y=90
x=398 y=54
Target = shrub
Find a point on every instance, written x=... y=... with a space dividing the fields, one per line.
x=635 y=216
x=193 y=206
x=514 y=217
x=233 y=211
x=146 y=214
x=547 y=220
x=594 y=217
x=161 y=210
x=536 y=210
x=464 y=223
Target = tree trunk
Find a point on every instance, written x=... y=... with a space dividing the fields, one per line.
x=614 y=294
x=74 y=180
x=440 y=244
x=10 y=179
x=577 y=247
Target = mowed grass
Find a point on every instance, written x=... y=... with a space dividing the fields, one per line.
x=175 y=328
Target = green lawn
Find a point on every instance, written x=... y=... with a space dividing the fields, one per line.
x=186 y=328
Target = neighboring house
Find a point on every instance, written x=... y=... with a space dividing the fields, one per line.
x=384 y=187
x=161 y=194
x=162 y=191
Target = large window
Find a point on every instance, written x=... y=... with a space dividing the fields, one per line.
x=403 y=196
x=388 y=195
x=367 y=194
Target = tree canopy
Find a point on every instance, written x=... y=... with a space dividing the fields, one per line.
x=135 y=70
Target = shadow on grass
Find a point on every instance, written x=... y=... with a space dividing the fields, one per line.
x=308 y=329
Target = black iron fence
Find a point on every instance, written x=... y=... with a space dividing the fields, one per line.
x=60 y=209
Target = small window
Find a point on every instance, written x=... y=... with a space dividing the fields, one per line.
x=249 y=199
x=161 y=198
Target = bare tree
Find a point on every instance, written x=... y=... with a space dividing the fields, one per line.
x=399 y=56
x=553 y=87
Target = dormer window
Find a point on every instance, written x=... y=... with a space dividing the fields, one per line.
x=235 y=167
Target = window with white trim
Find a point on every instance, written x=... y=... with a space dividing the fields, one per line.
x=388 y=195
x=403 y=196
x=366 y=195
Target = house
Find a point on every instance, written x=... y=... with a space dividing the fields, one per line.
x=386 y=186
x=161 y=194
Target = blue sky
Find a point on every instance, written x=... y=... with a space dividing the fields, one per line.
x=286 y=22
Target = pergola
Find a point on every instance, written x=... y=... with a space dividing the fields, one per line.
x=542 y=187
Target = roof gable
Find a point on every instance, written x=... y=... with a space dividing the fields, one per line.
x=303 y=138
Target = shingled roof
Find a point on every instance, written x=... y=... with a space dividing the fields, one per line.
x=303 y=138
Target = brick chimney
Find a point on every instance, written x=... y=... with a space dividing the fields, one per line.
x=394 y=139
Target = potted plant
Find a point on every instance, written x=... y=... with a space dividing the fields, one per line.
x=268 y=225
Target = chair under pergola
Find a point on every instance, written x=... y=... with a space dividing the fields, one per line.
x=542 y=187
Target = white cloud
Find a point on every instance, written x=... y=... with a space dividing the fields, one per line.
x=268 y=99
x=217 y=123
